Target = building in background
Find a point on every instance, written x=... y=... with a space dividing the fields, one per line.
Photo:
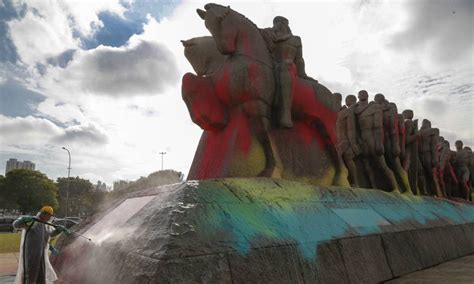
x=13 y=164
x=101 y=186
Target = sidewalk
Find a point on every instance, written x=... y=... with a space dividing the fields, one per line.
x=457 y=271
x=8 y=267
x=8 y=263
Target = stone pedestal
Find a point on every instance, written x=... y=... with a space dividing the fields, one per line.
x=265 y=230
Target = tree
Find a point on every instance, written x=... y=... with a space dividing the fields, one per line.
x=4 y=204
x=29 y=190
x=79 y=194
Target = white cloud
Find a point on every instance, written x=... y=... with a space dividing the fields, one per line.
x=144 y=68
x=85 y=13
x=27 y=130
x=43 y=32
x=48 y=26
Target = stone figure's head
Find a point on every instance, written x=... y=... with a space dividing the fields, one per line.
x=280 y=20
x=350 y=100
x=400 y=120
x=281 y=24
x=203 y=55
x=446 y=144
x=379 y=98
x=440 y=139
x=363 y=96
x=407 y=114
x=468 y=149
x=458 y=144
x=222 y=27
x=425 y=124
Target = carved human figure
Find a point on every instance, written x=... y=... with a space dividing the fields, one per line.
x=463 y=156
x=401 y=138
x=287 y=52
x=428 y=157
x=410 y=162
x=369 y=118
x=445 y=170
x=392 y=141
x=471 y=169
x=347 y=145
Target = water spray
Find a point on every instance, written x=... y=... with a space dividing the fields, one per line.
x=55 y=226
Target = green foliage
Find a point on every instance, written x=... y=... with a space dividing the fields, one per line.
x=154 y=179
x=28 y=190
x=3 y=201
x=82 y=200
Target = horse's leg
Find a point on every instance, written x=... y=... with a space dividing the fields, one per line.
x=259 y=114
x=340 y=175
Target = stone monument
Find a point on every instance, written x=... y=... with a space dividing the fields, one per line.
x=268 y=197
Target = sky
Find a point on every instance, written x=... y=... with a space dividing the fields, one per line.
x=103 y=78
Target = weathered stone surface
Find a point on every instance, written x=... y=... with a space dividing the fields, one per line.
x=331 y=268
x=197 y=269
x=402 y=252
x=188 y=227
x=270 y=265
x=469 y=233
x=365 y=260
x=427 y=244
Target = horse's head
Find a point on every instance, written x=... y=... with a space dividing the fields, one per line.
x=203 y=55
x=221 y=25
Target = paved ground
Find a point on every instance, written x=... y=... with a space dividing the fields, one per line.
x=8 y=267
x=458 y=271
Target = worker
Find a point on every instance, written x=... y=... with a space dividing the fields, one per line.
x=34 y=265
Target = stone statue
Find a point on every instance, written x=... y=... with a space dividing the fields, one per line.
x=463 y=157
x=410 y=162
x=428 y=157
x=402 y=138
x=392 y=141
x=446 y=174
x=369 y=117
x=347 y=145
x=471 y=170
x=286 y=50
x=232 y=95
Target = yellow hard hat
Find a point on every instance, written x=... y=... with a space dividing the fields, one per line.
x=47 y=209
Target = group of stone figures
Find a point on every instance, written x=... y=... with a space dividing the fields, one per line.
x=262 y=115
x=382 y=148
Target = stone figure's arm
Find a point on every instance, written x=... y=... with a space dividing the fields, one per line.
x=378 y=132
x=281 y=36
x=434 y=147
x=299 y=61
x=409 y=138
x=451 y=172
x=352 y=132
x=394 y=135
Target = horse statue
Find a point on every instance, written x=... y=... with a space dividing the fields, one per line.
x=232 y=98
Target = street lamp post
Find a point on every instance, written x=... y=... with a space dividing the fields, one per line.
x=67 y=184
x=162 y=155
